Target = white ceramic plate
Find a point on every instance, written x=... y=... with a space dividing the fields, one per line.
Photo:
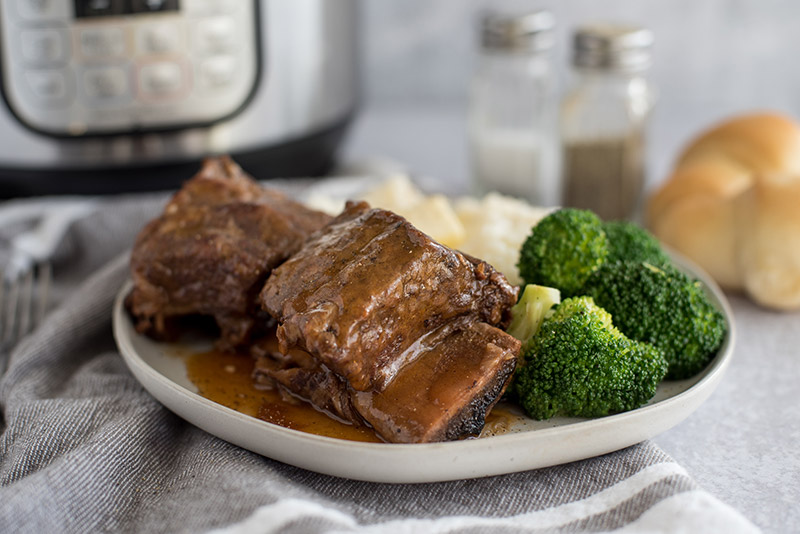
x=527 y=444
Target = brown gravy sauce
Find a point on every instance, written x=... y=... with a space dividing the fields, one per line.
x=226 y=379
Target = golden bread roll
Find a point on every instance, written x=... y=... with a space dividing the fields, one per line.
x=768 y=223
x=732 y=205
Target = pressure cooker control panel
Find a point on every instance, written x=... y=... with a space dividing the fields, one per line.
x=84 y=67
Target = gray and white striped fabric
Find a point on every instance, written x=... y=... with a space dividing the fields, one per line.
x=85 y=449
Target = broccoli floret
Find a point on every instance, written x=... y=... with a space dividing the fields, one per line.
x=579 y=364
x=563 y=249
x=533 y=306
x=628 y=241
x=661 y=306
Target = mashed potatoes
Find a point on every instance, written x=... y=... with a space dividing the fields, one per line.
x=495 y=227
x=491 y=228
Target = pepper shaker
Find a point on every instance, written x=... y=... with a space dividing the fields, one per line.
x=511 y=121
x=604 y=118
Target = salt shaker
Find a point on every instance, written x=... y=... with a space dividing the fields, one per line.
x=604 y=120
x=511 y=119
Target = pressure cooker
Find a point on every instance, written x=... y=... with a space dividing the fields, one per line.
x=119 y=95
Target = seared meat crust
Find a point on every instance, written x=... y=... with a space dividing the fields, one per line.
x=210 y=252
x=368 y=286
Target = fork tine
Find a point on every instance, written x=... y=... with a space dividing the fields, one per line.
x=10 y=323
x=25 y=303
x=2 y=304
x=45 y=279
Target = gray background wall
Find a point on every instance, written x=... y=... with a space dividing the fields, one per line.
x=726 y=53
x=712 y=58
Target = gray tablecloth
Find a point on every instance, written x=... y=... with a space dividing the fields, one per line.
x=85 y=449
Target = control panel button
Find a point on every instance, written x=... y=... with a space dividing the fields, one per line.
x=105 y=85
x=98 y=8
x=165 y=78
x=150 y=6
x=215 y=35
x=217 y=72
x=44 y=47
x=42 y=10
x=48 y=86
x=105 y=42
x=159 y=39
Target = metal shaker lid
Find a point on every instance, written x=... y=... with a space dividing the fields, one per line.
x=526 y=32
x=612 y=46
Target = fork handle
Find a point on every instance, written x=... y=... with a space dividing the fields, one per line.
x=40 y=242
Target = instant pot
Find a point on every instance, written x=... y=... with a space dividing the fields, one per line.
x=120 y=95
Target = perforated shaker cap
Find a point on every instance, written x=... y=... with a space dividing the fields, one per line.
x=613 y=47
x=526 y=32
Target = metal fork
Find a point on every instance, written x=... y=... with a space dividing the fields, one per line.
x=28 y=275
x=23 y=302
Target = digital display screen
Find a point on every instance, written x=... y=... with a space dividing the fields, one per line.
x=108 y=8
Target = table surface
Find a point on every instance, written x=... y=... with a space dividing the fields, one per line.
x=743 y=444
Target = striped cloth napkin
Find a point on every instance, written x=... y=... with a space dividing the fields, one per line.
x=85 y=449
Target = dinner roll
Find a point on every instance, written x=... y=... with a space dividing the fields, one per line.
x=732 y=205
x=768 y=223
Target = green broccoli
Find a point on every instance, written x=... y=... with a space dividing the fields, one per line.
x=578 y=364
x=628 y=241
x=563 y=249
x=530 y=311
x=662 y=306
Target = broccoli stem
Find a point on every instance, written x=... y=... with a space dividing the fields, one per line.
x=527 y=314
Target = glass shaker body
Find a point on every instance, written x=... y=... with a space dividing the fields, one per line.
x=512 y=124
x=603 y=127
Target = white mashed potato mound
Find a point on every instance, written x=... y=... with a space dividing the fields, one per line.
x=325 y=203
x=492 y=228
x=495 y=228
x=432 y=214
x=395 y=193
